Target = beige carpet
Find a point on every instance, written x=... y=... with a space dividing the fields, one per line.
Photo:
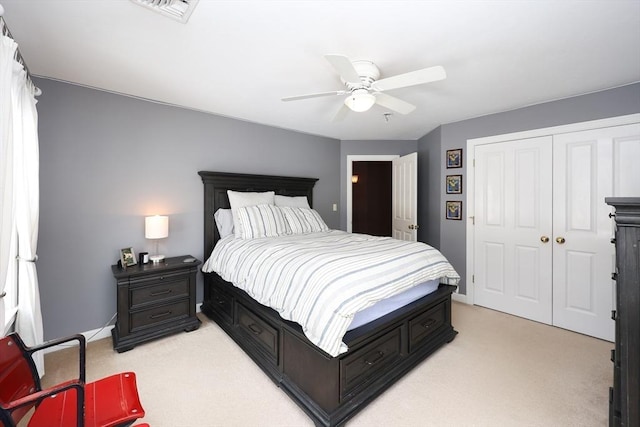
x=499 y=371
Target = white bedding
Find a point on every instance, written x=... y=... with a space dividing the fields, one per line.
x=321 y=280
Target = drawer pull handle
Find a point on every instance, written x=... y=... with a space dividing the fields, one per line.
x=220 y=301
x=380 y=356
x=155 y=294
x=429 y=323
x=157 y=316
x=255 y=329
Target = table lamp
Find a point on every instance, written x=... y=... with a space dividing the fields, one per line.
x=156 y=227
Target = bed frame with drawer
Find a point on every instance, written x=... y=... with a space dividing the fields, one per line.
x=329 y=389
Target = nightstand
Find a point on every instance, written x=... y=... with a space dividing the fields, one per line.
x=154 y=300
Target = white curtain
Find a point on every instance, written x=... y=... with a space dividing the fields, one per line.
x=26 y=195
x=7 y=224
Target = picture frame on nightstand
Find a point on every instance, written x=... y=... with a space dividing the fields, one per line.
x=127 y=257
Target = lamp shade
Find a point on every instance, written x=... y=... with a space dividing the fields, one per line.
x=156 y=227
x=360 y=100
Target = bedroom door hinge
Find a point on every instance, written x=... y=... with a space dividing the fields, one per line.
x=473 y=220
x=473 y=278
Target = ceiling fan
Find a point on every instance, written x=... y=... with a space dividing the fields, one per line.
x=364 y=89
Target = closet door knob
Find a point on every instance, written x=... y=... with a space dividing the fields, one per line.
x=544 y=239
x=560 y=240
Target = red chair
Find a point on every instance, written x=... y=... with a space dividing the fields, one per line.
x=109 y=402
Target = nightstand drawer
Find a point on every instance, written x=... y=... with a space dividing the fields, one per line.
x=161 y=289
x=160 y=314
x=158 y=277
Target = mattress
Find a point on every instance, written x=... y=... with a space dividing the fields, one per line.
x=393 y=303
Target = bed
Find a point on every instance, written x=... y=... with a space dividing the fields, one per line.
x=330 y=389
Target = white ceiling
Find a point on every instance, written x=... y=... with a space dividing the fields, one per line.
x=239 y=58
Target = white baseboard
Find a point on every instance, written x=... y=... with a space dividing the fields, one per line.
x=93 y=335
x=459 y=298
x=90 y=336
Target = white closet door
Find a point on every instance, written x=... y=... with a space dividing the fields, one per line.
x=589 y=166
x=513 y=227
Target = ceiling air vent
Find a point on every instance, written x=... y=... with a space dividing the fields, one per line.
x=180 y=10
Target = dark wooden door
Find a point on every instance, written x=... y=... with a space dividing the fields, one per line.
x=371 y=198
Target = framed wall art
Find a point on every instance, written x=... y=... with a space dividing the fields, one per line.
x=454 y=158
x=454 y=210
x=454 y=184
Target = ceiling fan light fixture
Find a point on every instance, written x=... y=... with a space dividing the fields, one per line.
x=360 y=100
x=180 y=10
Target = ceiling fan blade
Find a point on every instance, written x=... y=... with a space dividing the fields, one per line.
x=341 y=113
x=344 y=67
x=393 y=103
x=426 y=75
x=315 y=95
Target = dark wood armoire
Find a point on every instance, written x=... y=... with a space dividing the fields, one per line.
x=624 y=396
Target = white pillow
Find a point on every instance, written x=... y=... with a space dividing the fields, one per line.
x=240 y=199
x=293 y=201
x=224 y=222
x=303 y=220
x=261 y=221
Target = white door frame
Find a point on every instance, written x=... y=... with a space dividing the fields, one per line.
x=469 y=175
x=361 y=158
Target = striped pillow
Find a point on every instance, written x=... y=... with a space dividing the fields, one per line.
x=261 y=221
x=303 y=220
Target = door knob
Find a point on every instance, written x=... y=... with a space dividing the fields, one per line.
x=544 y=239
x=560 y=240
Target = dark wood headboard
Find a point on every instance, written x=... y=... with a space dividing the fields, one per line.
x=216 y=185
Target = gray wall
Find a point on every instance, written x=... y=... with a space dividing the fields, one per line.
x=430 y=187
x=610 y=103
x=353 y=148
x=108 y=160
